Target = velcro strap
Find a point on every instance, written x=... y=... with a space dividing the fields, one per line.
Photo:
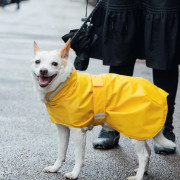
x=97 y=81
x=98 y=99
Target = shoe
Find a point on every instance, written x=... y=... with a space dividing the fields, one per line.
x=168 y=133
x=106 y=139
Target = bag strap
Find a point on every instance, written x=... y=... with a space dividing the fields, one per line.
x=84 y=19
x=86 y=8
x=87 y=20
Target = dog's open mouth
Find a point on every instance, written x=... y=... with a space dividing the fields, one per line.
x=45 y=80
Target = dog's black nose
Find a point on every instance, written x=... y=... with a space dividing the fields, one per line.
x=43 y=72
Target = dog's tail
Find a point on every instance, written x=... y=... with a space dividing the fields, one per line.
x=161 y=141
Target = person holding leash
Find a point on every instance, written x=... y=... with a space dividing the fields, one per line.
x=139 y=29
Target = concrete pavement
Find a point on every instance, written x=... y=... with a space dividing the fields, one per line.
x=27 y=138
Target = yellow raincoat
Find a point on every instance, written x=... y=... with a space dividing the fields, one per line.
x=131 y=105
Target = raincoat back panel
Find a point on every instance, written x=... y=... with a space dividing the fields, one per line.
x=134 y=106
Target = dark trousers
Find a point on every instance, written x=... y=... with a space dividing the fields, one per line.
x=17 y=1
x=166 y=80
x=4 y=2
x=18 y=4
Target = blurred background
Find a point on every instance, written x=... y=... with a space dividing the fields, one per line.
x=27 y=138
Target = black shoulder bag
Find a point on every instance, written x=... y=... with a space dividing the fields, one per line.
x=82 y=40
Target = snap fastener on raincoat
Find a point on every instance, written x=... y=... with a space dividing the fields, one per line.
x=131 y=105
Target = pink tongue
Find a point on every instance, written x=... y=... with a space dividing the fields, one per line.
x=43 y=81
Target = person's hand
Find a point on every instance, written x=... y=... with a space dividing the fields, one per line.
x=81 y=61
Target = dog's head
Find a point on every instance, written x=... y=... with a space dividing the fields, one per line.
x=48 y=67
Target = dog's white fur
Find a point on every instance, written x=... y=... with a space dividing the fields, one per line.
x=63 y=71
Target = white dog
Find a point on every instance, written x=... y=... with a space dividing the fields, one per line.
x=51 y=68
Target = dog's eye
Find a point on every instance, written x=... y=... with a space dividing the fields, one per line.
x=37 y=61
x=54 y=63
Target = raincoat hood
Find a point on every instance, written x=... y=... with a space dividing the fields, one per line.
x=131 y=105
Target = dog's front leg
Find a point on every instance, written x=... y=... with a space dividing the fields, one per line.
x=63 y=133
x=79 y=138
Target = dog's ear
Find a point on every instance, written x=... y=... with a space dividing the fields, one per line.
x=36 y=48
x=64 y=52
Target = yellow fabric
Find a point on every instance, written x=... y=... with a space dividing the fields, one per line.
x=98 y=99
x=131 y=105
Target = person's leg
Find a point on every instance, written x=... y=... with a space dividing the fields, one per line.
x=168 y=81
x=109 y=139
x=18 y=6
x=4 y=3
x=122 y=70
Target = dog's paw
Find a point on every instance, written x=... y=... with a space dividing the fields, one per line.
x=132 y=178
x=51 y=169
x=136 y=170
x=70 y=175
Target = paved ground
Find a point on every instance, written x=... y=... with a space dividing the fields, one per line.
x=27 y=138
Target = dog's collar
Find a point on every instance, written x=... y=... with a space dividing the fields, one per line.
x=62 y=86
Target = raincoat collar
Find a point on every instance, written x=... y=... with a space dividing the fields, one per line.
x=63 y=87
